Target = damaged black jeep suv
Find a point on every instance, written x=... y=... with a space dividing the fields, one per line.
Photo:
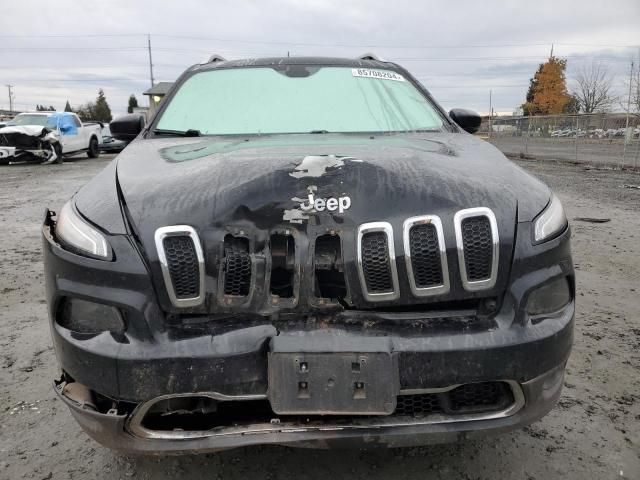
x=311 y=252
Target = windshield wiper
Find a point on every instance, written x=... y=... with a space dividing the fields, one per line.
x=178 y=133
x=319 y=131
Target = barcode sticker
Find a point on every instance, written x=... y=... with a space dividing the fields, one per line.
x=380 y=74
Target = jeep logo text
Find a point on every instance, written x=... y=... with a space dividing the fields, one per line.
x=320 y=204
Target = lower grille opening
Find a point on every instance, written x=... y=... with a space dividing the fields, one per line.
x=200 y=413
x=282 y=265
x=237 y=266
x=328 y=267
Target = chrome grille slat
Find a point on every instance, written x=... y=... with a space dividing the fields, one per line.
x=426 y=256
x=478 y=247
x=182 y=264
x=377 y=262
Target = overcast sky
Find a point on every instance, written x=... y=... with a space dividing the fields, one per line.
x=68 y=49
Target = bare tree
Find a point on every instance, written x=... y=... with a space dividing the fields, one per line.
x=593 y=88
x=635 y=89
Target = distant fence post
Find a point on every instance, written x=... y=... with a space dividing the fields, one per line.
x=576 y=135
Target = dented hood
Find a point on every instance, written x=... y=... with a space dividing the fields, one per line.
x=266 y=181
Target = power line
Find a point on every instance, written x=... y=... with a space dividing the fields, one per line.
x=233 y=40
x=294 y=43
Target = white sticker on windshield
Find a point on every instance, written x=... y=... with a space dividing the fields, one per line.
x=381 y=74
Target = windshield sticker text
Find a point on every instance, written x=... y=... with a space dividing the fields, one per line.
x=381 y=74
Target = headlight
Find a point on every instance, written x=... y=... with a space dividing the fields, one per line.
x=78 y=234
x=550 y=222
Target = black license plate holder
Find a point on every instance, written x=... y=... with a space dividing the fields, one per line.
x=340 y=383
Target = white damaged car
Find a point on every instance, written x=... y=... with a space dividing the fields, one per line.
x=44 y=137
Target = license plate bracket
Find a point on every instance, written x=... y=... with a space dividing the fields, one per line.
x=341 y=383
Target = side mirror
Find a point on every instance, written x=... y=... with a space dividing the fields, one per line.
x=468 y=120
x=65 y=129
x=127 y=127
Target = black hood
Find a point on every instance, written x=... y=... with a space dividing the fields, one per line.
x=208 y=183
x=260 y=185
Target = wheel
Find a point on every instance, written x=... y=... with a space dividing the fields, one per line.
x=58 y=149
x=94 y=149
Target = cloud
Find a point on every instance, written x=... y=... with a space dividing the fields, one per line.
x=460 y=49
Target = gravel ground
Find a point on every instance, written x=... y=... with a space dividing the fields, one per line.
x=603 y=151
x=594 y=432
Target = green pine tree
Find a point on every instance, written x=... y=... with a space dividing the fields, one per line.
x=67 y=107
x=133 y=103
x=102 y=111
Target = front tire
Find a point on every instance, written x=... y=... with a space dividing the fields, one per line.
x=94 y=148
x=58 y=149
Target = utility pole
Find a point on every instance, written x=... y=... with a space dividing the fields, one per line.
x=150 y=60
x=490 y=114
x=626 y=127
x=9 y=87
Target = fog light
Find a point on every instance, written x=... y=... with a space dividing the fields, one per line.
x=82 y=316
x=550 y=297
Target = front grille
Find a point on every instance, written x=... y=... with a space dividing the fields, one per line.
x=182 y=263
x=478 y=247
x=237 y=278
x=375 y=262
x=425 y=256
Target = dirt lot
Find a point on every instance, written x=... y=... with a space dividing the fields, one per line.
x=604 y=151
x=593 y=433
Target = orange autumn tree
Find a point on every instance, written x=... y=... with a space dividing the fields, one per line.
x=547 y=93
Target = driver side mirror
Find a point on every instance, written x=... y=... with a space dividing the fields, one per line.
x=127 y=127
x=65 y=129
x=468 y=120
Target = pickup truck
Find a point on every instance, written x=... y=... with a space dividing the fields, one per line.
x=44 y=137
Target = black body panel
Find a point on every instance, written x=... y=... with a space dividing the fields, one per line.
x=245 y=252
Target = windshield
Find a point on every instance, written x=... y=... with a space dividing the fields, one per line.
x=298 y=99
x=26 y=119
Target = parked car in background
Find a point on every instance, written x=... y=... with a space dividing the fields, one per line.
x=45 y=137
x=110 y=144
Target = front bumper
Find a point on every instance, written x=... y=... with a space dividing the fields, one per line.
x=111 y=429
x=155 y=357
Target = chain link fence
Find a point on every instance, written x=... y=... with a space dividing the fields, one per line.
x=599 y=139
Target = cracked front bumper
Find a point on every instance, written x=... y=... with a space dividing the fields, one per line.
x=539 y=394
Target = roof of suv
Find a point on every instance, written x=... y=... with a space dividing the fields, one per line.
x=277 y=61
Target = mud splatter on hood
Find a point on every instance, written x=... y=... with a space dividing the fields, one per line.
x=263 y=182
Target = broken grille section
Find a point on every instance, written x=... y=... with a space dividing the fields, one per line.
x=477 y=239
x=182 y=263
x=426 y=255
x=377 y=262
x=237 y=266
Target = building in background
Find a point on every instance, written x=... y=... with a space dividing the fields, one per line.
x=156 y=94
